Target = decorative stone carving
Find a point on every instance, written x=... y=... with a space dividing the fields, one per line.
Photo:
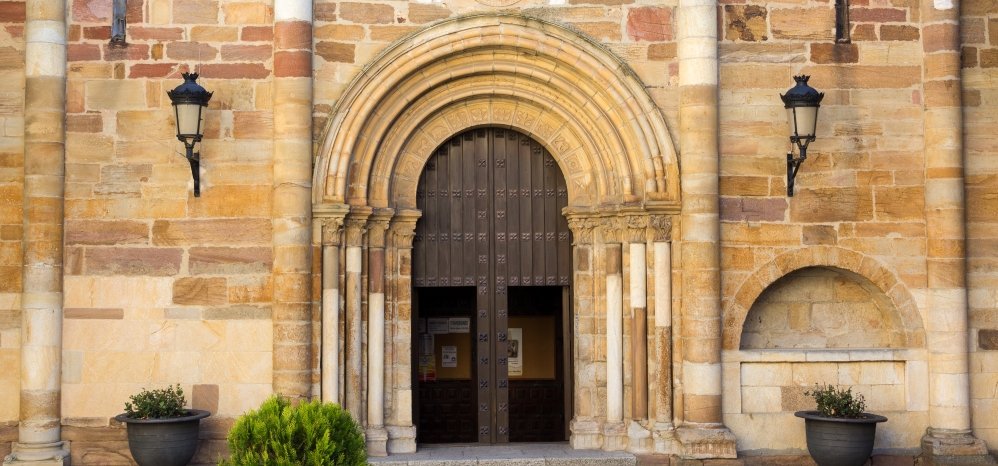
x=356 y=226
x=660 y=228
x=332 y=230
x=403 y=227
x=582 y=228
x=377 y=227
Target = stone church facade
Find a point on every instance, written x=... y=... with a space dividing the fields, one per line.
x=543 y=220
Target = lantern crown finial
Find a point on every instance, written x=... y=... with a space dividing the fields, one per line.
x=190 y=91
x=802 y=95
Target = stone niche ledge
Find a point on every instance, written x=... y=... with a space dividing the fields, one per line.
x=823 y=355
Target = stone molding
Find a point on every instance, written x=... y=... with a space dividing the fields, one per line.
x=619 y=151
x=884 y=278
x=403 y=227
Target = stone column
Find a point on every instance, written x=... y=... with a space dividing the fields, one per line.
x=292 y=198
x=356 y=225
x=330 y=220
x=614 y=340
x=377 y=436
x=39 y=429
x=585 y=425
x=660 y=228
x=949 y=439
x=639 y=331
x=401 y=431
x=702 y=434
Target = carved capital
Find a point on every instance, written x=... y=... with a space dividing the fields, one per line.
x=660 y=228
x=634 y=228
x=582 y=227
x=332 y=230
x=377 y=227
x=356 y=225
x=403 y=227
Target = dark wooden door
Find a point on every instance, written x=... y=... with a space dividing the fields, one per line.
x=492 y=221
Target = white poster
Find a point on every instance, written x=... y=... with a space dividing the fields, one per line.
x=448 y=356
x=438 y=325
x=514 y=349
x=459 y=325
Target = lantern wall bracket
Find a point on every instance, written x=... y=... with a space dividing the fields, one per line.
x=794 y=163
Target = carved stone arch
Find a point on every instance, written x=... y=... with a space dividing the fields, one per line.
x=737 y=309
x=568 y=92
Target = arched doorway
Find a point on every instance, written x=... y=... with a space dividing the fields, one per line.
x=491 y=277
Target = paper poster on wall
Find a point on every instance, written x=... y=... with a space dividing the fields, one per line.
x=437 y=325
x=427 y=363
x=459 y=324
x=448 y=356
x=514 y=349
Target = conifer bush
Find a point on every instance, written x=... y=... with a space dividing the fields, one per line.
x=280 y=434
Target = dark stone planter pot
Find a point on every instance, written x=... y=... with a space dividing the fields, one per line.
x=164 y=442
x=834 y=441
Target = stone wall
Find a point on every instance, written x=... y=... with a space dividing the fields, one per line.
x=980 y=97
x=11 y=184
x=162 y=287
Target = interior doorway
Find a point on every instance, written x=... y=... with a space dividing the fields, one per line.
x=492 y=276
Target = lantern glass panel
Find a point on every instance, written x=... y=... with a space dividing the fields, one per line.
x=189 y=120
x=802 y=121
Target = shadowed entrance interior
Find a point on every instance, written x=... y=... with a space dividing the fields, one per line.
x=492 y=276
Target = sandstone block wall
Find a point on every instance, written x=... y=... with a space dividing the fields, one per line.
x=12 y=15
x=979 y=36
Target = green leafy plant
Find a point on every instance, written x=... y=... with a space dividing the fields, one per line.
x=834 y=402
x=157 y=404
x=310 y=433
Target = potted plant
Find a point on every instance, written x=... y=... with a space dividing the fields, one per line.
x=161 y=431
x=839 y=432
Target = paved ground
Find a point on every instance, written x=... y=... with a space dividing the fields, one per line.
x=561 y=454
x=532 y=454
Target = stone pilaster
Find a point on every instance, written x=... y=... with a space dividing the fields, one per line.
x=401 y=431
x=949 y=439
x=292 y=206
x=39 y=428
x=703 y=434
x=586 y=424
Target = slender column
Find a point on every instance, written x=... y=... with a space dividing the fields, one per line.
x=639 y=331
x=614 y=335
x=401 y=432
x=377 y=436
x=39 y=430
x=331 y=234
x=292 y=198
x=703 y=434
x=353 y=385
x=663 y=330
x=949 y=434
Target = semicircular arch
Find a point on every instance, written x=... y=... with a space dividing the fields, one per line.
x=568 y=92
x=886 y=281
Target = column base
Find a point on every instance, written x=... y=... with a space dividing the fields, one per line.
x=377 y=441
x=944 y=447
x=706 y=441
x=615 y=436
x=639 y=438
x=38 y=454
x=585 y=434
x=664 y=436
x=401 y=439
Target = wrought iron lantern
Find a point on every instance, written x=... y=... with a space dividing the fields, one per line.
x=802 y=102
x=189 y=103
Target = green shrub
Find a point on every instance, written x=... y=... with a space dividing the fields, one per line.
x=833 y=402
x=279 y=434
x=155 y=404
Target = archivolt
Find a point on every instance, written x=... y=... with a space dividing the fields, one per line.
x=566 y=91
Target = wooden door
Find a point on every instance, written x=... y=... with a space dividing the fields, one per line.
x=492 y=221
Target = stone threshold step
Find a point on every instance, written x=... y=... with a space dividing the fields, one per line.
x=517 y=454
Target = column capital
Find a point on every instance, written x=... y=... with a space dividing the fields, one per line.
x=660 y=227
x=403 y=227
x=356 y=225
x=582 y=225
x=377 y=226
